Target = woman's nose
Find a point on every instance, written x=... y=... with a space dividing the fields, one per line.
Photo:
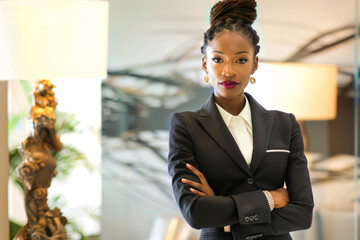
x=228 y=70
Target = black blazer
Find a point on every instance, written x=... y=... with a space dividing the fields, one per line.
x=202 y=139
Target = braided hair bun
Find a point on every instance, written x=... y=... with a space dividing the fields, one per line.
x=232 y=15
x=243 y=9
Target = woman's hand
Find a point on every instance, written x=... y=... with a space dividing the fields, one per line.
x=280 y=197
x=203 y=188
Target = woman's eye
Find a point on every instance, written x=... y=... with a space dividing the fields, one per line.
x=242 y=60
x=217 y=60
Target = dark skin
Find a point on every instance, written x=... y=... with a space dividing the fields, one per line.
x=229 y=57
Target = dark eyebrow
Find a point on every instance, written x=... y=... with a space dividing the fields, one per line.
x=242 y=52
x=235 y=53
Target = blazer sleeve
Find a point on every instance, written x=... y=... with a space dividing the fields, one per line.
x=297 y=215
x=208 y=211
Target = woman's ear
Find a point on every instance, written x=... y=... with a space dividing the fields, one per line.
x=204 y=62
x=255 y=65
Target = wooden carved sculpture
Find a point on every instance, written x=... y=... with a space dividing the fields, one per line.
x=38 y=168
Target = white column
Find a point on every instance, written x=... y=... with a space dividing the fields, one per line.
x=4 y=162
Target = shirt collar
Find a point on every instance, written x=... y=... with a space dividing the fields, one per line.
x=244 y=114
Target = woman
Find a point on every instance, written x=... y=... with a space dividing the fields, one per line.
x=230 y=160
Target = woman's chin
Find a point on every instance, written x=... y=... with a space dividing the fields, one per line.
x=229 y=94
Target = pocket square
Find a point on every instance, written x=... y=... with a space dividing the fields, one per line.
x=277 y=150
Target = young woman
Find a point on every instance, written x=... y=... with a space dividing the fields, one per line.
x=229 y=160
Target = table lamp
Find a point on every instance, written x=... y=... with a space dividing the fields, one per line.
x=42 y=40
x=309 y=91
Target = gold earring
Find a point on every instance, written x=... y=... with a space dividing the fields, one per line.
x=252 y=80
x=206 y=79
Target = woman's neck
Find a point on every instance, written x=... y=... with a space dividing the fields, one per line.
x=234 y=106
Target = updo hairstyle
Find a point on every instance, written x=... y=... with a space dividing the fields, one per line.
x=232 y=15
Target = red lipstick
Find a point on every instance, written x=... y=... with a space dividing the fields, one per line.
x=229 y=84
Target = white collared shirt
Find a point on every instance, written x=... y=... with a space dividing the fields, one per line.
x=240 y=127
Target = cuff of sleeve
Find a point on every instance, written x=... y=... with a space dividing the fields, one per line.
x=269 y=199
x=252 y=207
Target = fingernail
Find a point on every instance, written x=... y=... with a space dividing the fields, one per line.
x=183 y=180
x=188 y=165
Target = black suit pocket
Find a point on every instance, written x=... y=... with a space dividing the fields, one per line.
x=273 y=169
x=276 y=156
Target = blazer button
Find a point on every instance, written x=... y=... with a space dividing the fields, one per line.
x=250 y=181
x=256 y=217
x=247 y=219
x=251 y=218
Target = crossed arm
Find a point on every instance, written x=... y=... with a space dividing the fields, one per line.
x=280 y=195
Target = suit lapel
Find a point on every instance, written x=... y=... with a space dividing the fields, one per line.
x=262 y=122
x=210 y=118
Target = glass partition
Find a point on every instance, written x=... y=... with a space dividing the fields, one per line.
x=356 y=121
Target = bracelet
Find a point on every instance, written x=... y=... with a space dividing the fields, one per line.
x=269 y=199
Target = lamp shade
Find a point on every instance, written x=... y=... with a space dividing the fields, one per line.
x=53 y=39
x=308 y=91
